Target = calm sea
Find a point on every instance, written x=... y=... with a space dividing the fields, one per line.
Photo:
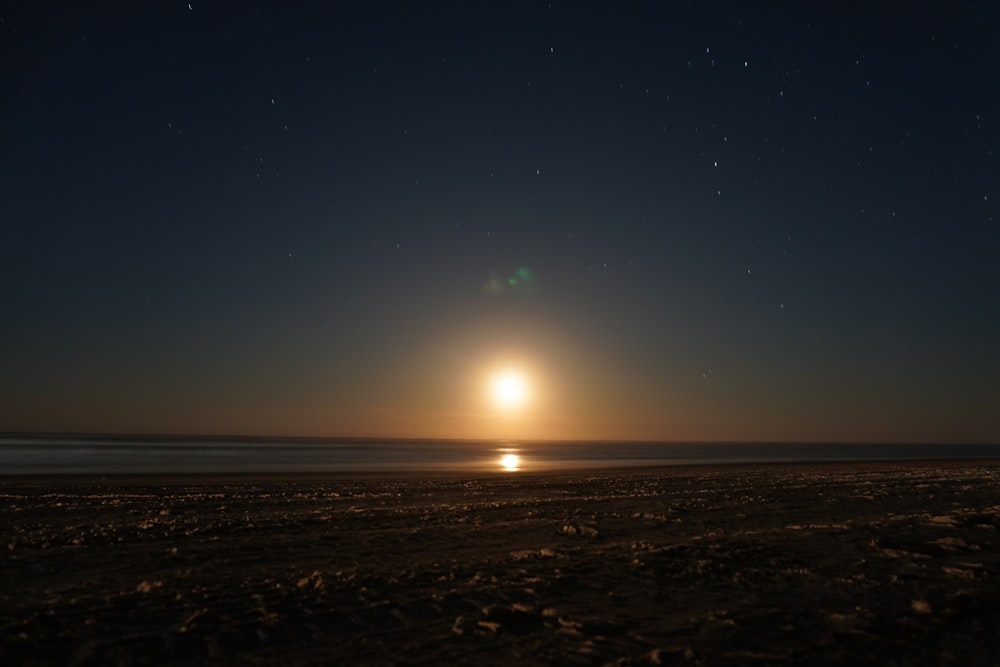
x=22 y=455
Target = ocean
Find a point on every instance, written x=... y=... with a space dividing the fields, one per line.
x=34 y=455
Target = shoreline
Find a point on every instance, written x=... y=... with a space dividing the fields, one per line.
x=470 y=472
x=428 y=458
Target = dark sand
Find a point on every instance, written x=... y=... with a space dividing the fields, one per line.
x=883 y=564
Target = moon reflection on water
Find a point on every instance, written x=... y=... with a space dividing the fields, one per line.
x=510 y=462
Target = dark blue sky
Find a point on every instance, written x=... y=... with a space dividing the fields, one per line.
x=736 y=223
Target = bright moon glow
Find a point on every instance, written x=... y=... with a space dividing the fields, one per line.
x=510 y=462
x=510 y=390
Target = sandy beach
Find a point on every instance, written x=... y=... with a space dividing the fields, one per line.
x=822 y=564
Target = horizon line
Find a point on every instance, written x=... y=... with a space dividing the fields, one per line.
x=368 y=438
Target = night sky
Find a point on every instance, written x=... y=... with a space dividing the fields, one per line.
x=679 y=221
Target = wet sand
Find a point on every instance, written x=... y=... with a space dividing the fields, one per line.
x=826 y=564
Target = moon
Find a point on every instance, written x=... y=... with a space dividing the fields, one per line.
x=509 y=389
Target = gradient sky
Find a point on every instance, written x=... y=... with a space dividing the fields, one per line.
x=703 y=222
